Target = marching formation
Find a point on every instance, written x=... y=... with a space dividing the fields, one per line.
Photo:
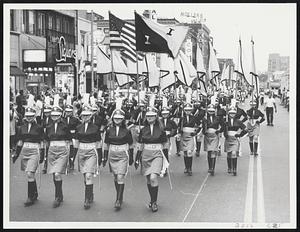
x=95 y=131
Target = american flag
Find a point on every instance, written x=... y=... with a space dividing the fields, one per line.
x=122 y=36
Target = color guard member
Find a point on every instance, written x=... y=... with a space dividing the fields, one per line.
x=256 y=117
x=119 y=150
x=151 y=140
x=58 y=135
x=30 y=145
x=212 y=126
x=87 y=135
x=232 y=144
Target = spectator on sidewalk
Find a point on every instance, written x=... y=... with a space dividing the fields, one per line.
x=270 y=105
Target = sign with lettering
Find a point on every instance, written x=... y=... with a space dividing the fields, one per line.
x=37 y=55
x=65 y=54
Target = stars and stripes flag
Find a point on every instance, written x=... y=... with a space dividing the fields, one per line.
x=122 y=37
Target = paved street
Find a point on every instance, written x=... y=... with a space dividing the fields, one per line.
x=259 y=192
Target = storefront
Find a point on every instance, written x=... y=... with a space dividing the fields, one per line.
x=65 y=70
x=39 y=73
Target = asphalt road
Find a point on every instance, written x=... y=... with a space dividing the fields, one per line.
x=259 y=192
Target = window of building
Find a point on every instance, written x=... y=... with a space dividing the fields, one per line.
x=50 y=22
x=82 y=40
x=41 y=26
x=12 y=20
x=66 y=27
x=31 y=22
x=58 y=24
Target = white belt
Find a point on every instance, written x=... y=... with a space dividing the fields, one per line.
x=72 y=131
x=58 y=143
x=168 y=132
x=116 y=148
x=87 y=145
x=231 y=133
x=211 y=130
x=188 y=129
x=153 y=146
x=31 y=145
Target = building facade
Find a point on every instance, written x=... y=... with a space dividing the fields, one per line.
x=42 y=48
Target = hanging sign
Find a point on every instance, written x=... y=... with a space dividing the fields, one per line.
x=64 y=54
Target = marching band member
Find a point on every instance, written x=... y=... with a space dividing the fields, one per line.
x=211 y=128
x=30 y=145
x=177 y=113
x=58 y=137
x=87 y=135
x=100 y=123
x=256 y=117
x=188 y=123
x=199 y=114
x=139 y=118
x=46 y=122
x=221 y=114
x=170 y=126
x=232 y=144
x=150 y=144
x=119 y=150
x=72 y=122
x=240 y=113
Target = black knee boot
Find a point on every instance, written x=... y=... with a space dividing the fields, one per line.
x=58 y=193
x=154 y=204
x=185 y=164
x=213 y=164
x=251 y=148
x=209 y=163
x=234 y=166
x=117 y=188
x=120 y=196
x=30 y=195
x=255 y=149
x=229 y=160
x=178 y=147
x=151 y=194
x=198 y=148
x=88 y=196
x=190 y=163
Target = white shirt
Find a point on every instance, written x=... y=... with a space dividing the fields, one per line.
x=117 y=130
x=269 y=102
x=29 y=126
x=85 y=126
x=151 y=129
x=165 y=122
x=55 y=127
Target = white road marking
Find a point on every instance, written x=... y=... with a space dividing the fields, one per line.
x=260 y=191
x=249 y=196
x=200 y=189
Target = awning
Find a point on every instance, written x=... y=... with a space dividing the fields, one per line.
x=15 y=71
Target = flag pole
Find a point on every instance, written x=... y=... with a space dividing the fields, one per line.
x=92 y=52
x=112 y=77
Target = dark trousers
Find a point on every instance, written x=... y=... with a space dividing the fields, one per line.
x=269 y=113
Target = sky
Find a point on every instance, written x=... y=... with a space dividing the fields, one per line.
x=273 y=26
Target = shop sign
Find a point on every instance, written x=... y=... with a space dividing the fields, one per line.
x=64 y=54
x=38 y=55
